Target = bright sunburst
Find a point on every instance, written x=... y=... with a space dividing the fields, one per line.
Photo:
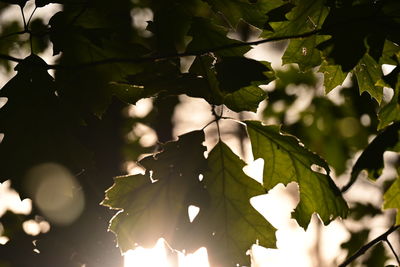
x=157 y=257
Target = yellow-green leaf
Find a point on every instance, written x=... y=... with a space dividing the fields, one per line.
x=285 y=161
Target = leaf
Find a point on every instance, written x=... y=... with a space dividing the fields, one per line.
x=207 y=34
x=36 y=126
x=253 y=12
x=368 y=73
x=333 y=76
x=352 y=28
x=156 y=204
x=303 y=52
x=87 y=35
x=163 y=78
x=234 y=73
x=391 y=111
x=285 y=161
x=230 y=225
x=176 y=15
x=372 y=157
x=247 y=98
x=236 y=98
x=391 y=199
x=306 y=16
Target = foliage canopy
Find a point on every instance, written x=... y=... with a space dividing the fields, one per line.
x=198 y=48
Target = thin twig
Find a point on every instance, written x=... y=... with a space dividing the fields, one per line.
x=184 y=54
x=392 y=249
x=13 y=33
x=10 y=58
x=30 y=17
x=367 y=246
x=23 y=18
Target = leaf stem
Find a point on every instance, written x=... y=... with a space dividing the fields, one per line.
x=30 y=17
x=23 y=18
x=363 y=249
x=392 y=249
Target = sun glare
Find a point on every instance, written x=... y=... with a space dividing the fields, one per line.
x=158 y=257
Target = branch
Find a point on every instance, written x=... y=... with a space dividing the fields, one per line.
x=13 y=33
x=164 y=57
x=393 y=251
x=10 y=58
x=184 y=54
x=363 y=249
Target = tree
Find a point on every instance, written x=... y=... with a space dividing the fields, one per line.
x=73 y=122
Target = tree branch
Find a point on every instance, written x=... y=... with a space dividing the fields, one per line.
x=363 y=249
x=184 y=54
x=10 y=58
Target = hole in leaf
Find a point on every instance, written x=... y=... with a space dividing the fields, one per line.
x=3 y=101
x=319 y=169
x=201 y=177
x=193 y=211
x=387 y=68
x=1 y=137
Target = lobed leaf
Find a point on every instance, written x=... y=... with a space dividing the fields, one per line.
x=230 y=225
x=306 y=16
x=368 y=73
x=303 y=52
x=391 y=199
x=285 y=161
x=333 y=76
x=371 y=158
x=156 y=204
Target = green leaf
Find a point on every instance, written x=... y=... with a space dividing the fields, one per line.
x=207 y=34
x=333 y=76
x=303 y=52
x=230 y=225
x=247 y=98
x=306 y=16
x=368 y=73
x=285 y=161
x=156 y=205
x=234 y=97
x=372 y=157
x=392 y=199
x=253 y=12
x=391 y=111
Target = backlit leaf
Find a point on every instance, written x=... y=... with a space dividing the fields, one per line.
x=333 y=76
x=285 y=161
x=392 y=199
x=306 y=16
x=230 y=225
x=303 y=52
x=368 y=73
x=156 y=204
